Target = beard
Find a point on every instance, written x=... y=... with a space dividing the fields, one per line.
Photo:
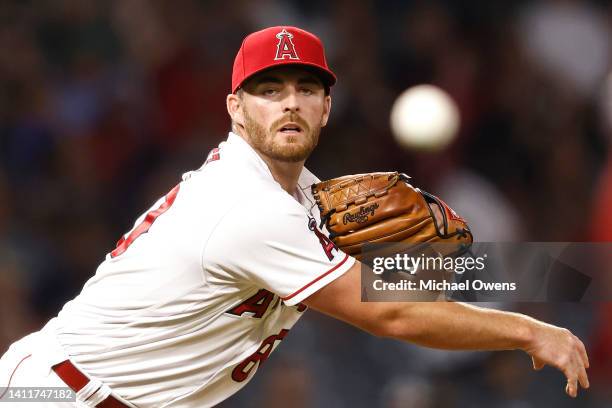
x=293 y=149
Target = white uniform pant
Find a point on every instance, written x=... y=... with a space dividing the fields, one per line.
x=26 y=364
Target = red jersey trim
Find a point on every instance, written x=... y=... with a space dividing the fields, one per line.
x=316 y=280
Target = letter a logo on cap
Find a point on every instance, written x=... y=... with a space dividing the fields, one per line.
x=285 y=48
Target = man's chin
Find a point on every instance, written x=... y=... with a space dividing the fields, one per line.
x=285 y=137
x=290 y=157
x=291 y=150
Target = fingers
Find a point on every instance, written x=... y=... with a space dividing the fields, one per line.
x=537 y=363
x=583 y=363
x=583 y=353
x=571 y=388
x=576 y=374
x=583 y=378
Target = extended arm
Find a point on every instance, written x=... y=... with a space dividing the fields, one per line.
x=455 y=326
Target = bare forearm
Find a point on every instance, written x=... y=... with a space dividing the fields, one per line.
x=455 y=326
x=459 y=326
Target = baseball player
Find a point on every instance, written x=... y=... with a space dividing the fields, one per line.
x=213 y=276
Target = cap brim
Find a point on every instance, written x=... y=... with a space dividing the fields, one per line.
x=327 y=77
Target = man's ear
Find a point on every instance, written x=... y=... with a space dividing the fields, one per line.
x=234 y=108
x=326 y=110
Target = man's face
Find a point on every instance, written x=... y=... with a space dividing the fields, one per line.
x=282 y=111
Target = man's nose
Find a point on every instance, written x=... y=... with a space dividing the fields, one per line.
x=290 y=102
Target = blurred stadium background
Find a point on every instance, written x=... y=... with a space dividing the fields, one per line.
x=104 y=104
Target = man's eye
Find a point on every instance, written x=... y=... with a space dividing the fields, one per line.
x=269 y=92
x=307 y=91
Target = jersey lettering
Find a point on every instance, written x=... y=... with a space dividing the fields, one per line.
x=241 y=371
x=326 y=243
x=124 y=243
x=256 y=305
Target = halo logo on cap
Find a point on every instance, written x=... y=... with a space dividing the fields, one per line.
x=285 y=47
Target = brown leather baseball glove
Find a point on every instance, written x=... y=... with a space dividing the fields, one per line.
x=384 y=208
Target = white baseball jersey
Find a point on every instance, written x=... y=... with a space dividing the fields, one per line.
x=204 y=287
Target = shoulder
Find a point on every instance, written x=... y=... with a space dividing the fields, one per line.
x=227 y=178
x=263 y=214
x=267 y=203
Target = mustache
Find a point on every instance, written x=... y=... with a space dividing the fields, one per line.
x=291 y=117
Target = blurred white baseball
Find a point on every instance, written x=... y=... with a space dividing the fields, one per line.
x=424 y=117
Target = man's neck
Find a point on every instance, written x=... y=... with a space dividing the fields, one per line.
x=285 y=173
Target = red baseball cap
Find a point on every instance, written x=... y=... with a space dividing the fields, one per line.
x=281 y=45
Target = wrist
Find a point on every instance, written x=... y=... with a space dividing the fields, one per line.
x=526 y=333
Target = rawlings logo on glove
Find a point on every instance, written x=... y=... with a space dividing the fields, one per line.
x=360 y=216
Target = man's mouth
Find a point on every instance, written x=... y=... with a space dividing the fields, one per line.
x=290 y=128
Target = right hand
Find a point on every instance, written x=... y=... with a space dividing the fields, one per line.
x=559 y=348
